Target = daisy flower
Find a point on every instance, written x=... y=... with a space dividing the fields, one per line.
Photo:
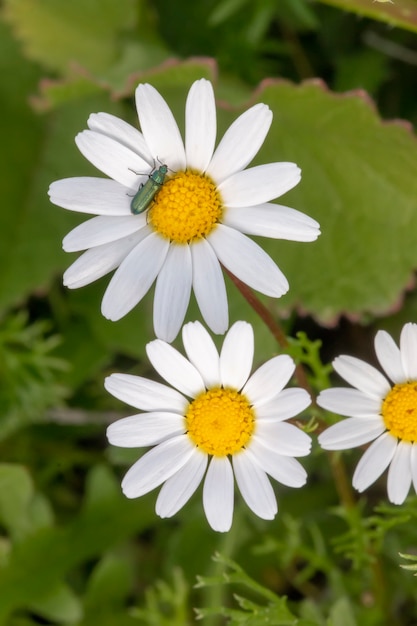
x=216 y=421
x=379 y=411
x=197 y=218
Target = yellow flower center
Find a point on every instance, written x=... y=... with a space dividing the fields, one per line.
x=399 y=411
x=220 y=421
x=186 y=208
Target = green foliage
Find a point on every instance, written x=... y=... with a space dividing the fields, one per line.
x=48 y=25
x=105 y=519
x=275 y=610
x=307 y=352
x=401 y=13
x=365 y=535
x=29 y=374
x=351 y=182
x=412 y=567
x=165 y=605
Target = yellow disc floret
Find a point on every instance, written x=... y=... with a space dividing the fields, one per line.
x=186 y=208
x=220 y=421
x=399 y=410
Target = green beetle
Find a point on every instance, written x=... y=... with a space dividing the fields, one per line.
x=146 y=192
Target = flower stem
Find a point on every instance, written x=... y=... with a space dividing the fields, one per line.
x=343 y=486
x=271 y=323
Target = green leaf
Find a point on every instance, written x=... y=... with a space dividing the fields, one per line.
x=342 y=613
x=59 y=604
x=109 y=584
x=165 y=603
x=109 y=591
x=21 y=131
x=359 y=182
x=58 y=34
x=32 y=228
x=42 y=560
x=16 y=492
x=400 y=13
x=273 y=610
x=21 y=510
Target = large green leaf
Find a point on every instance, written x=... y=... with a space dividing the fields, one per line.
x=359 y=181
x=58 y=34
x=401 y=13
x=21 y=133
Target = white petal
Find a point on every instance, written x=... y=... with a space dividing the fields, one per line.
x=122 y=132
x=202 y=352
x=112 y=158
x=97 y=196
x=287 y=404
x=236 y=356
x=349 y=402
x=284 y=438
x=274 y=221
x=362 y=376
x=175 y=368
x=200 y=125
x=101 y=230
x=145 y=394
x=269 y=379
x=156 y=466
x=241 y=142
x=399 y=473
x=99 y=261
x=209 y=287
x=247 y=261
x=178 y=489
x=254 y=486
x=134 y=277
x=218 y=494
x=413 y=463
x=352 y=432
x=408 y=347
x=159 y=127
x=374 y=461
x=146 y=429
x=284 y=469
x=172 y=293
x=259 y=184
x=389 y=356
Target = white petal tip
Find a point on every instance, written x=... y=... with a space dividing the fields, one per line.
x=110 y=314
x=359 y=487
x=221 y=529
x=129 y=493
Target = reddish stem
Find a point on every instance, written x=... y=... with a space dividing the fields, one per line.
x=271 y=323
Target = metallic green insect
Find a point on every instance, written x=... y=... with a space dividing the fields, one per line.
x=147 y=192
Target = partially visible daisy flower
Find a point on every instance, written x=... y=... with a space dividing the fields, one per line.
x=216 y=421
x=197 y=218
x=378 y=411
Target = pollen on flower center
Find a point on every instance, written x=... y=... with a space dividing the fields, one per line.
x=186 y=208
x=220 y=421
x=399 y=411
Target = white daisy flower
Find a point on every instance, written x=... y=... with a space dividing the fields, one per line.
x=378 y=411
x=196 y=219
x=217 y=421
